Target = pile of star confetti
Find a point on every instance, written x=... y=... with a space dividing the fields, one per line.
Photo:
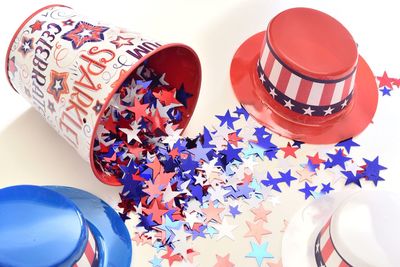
x=196 y=184
x=178 y=191
x=143 y=110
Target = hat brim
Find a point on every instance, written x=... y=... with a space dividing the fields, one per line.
x=301 y=233
x=351 y=121
x=112 y=237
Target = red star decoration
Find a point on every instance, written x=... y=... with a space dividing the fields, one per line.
x=152 y=189
x=157 y=209
x=138 y=109
x=141 y=239
x=384 y=80
x=157 y=122
x=37 y=26
x=126 y=204
x=289 y=150
x=167 y=97
x=212 y=213
x=163 y=178
x=174 y=153
x=224 y=261
x=110 y=125
x=233 y=138
x=84 y=32
x=315 y=160
x=248 y=178
x=396 y=82
x=135 y=150
x=170 y=257
x=121 y=41
x=155 y=166
x=58 y=84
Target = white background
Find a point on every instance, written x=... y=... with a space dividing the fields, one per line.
x=31 y=153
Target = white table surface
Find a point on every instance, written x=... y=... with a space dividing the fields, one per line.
x=32 y=153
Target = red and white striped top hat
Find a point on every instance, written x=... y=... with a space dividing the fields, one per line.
x=306 y=81
x=360 y=230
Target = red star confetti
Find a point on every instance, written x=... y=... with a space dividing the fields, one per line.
x=385 y=81
x=224 y=261
x=289 y=151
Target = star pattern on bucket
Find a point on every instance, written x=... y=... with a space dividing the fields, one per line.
x=121 y=41
x=84 y=32
x=26 y=45
x=58 y=84
x=36 y=26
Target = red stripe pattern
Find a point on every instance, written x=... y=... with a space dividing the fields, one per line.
x=306 y=91
x=326 y=254
x=89 y=257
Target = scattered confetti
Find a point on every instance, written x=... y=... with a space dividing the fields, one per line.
x=179 y=190
x=387 y=84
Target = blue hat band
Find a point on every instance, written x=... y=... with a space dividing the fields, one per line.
x=89 y=257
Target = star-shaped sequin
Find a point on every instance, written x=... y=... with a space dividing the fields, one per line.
x=223 y=261
x=259 y=252
x=256 y=230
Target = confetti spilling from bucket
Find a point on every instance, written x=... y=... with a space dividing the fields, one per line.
x=179 y=189
x=143 y=111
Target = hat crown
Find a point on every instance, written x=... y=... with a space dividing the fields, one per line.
x=39 y=227
x=365 y=229
x=313 y=44
x=307 y=63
